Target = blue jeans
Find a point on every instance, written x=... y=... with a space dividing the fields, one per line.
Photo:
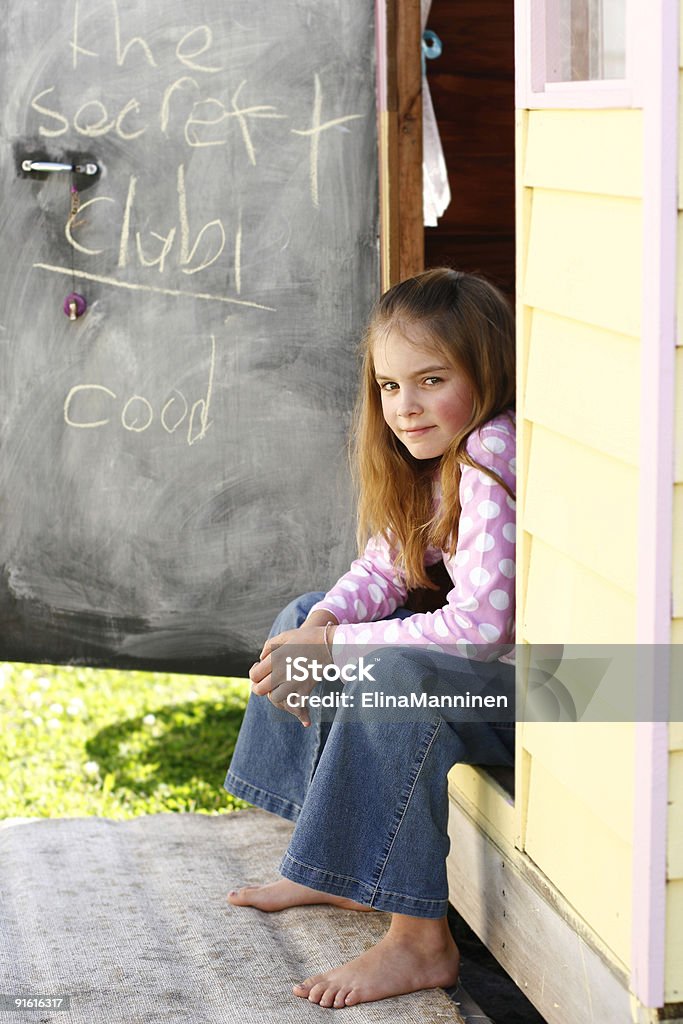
x=369 y=798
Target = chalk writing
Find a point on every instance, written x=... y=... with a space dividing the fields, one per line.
x=70 y=224
x=208 y=121
x=177 y=97
x=89 y=407
x=188 y=252
x=183 y=54
x=120 y=50
x=74 y=41
x=314 y=132
x=205 y=125
x=136 y=287
x=188 y=58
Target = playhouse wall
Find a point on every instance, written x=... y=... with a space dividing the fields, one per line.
x=579 y=223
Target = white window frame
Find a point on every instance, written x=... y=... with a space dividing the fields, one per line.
x=532 y=89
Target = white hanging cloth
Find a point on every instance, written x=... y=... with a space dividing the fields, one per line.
x=436 y=191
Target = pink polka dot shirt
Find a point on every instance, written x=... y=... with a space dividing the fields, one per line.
x=478 y=619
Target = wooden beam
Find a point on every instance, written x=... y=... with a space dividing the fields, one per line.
x=540 y=940
x=400 y=139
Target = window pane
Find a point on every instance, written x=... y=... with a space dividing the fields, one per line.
x=586 y=40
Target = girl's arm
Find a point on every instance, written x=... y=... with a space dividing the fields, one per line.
x=320 y=617
x=372 y=588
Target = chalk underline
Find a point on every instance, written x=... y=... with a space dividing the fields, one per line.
x=68 y=272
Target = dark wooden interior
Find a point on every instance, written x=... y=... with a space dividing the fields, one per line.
x=472 y=87
x=473 y=90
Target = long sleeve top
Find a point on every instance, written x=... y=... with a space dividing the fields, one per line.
x=478 y=619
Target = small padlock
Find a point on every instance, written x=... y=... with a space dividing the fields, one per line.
x=74 y=305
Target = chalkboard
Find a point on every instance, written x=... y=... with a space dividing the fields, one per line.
x=172 y=463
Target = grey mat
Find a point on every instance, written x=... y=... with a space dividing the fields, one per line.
x=130 y=919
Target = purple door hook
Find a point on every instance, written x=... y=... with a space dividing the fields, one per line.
x=74 y=305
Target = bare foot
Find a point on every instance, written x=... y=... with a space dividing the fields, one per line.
x=285 y=893
x=406 y=960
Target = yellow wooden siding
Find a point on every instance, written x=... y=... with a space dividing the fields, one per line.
x=674 y=857
x=676 y=731
x=594 y=151
x=567 y=603
x=584 y=259
x=579 y=268
x=484 y=802
x=679 y=281
x=583 y=358
x=583 y=858
x=678 y=552
x=673 y=976
x=597 y=776
x=678 y=436
x=680 y=136
x=579 y=271
x=584 y=504
x=673 y=983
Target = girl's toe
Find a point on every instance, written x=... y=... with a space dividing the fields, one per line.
x=317 y=992
x=352 y=997
x=329 y=997
x=340 y=998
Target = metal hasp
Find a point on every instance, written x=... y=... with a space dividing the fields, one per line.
x=47 y=166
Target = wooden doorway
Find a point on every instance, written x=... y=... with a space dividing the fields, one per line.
x=473 y=90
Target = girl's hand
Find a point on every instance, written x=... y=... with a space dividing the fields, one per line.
x=267 y=679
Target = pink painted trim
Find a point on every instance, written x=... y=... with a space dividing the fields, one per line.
x=658 y=331
x=381 y=54
x=576 y=90
x=637 y=25
x=592 y=98
x=659 y=57
x=649 y=862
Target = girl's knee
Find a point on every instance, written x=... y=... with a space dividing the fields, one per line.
x=394 y=671
x=401 y=667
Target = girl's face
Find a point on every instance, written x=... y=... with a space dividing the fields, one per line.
x=425 y=401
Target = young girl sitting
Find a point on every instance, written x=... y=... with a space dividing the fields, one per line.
x=434 y=460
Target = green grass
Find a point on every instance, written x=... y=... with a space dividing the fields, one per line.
x=79 y=741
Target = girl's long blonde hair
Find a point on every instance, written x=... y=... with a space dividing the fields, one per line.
x=468 y=321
